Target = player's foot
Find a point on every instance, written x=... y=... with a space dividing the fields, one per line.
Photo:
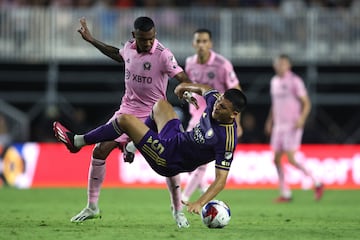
x=319 y=191
x=128 y=156
x=181 y=220
x=282 y=199
x=86 y=214
x=65 y=136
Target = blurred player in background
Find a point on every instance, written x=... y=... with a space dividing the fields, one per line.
x=206 y=67
x=290 y=107
x=148 y=66
x=167 y=148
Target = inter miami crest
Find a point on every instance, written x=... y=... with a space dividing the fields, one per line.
x=147 y=66
x=211 y=75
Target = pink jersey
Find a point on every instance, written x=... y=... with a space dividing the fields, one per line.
x=286 y=106
x=218 y=72
x=146 y=79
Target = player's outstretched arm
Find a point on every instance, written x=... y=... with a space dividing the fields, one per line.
x=199 y=89
x=213 y=190
x=110 y=51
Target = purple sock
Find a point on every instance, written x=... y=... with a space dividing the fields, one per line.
x=107 y=132
x=151 y=123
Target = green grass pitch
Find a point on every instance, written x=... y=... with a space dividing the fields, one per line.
x=145 y=214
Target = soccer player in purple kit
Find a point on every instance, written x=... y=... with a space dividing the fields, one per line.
x=148 y=66
x=210 y=68
x=289 y=110
x=167 y=148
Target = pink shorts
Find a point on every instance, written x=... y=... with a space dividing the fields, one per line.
x=286 y=140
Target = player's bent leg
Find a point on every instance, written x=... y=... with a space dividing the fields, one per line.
x=163 y=112
x=86 y=214
x=132 y=126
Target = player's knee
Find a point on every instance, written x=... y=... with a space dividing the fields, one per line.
x=162 y=107
x=100 y=152
x=124 y=119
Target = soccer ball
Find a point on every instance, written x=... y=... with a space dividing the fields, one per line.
x=215 y=214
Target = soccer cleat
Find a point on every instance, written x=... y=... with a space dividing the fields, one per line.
x=65 y=136
x=282 y=199
x=181 y=220
x=128 y=156
x=86 y=214
x=319 y=191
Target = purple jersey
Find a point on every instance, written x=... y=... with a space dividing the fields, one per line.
x=173 y=151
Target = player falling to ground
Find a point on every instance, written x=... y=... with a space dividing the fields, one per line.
x=148 y=66
x=167 y=148
x=289 y=111
x=206 y=67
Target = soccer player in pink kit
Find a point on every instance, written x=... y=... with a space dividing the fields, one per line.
x=289 y=111
x=210 y=68
x=148 y=66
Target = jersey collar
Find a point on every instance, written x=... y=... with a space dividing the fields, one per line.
x=152 y=50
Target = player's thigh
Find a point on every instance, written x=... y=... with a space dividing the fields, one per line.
x=292 y=140
x=163 y=112
x=276 y=140
x=133 y=127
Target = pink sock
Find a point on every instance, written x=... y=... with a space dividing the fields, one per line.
x=195 y=180
x=96 y=178
x=173 y=184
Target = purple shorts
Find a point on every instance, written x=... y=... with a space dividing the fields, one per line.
x=160 y=149
x=286 y=140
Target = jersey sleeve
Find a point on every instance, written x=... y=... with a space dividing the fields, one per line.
x=171 y=66
x=225 y=148
x=231 y=80
x=299 y=87
x=122 y=49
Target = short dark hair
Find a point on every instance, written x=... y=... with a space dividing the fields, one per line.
x=204 y=30
x=143 y=24
x=284 y=56
x=237 y=98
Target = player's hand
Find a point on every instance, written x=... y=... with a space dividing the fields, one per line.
x=190 y=99
x=192 y=207
x=84 y=31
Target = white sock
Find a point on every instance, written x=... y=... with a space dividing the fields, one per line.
x=79 y=141
x=130 y=147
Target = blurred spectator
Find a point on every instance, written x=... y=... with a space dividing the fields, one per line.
x=42 y=128
x=124 y=3
x=251 y=132
x=5 y=136
x=177 y=3
x=328 y=3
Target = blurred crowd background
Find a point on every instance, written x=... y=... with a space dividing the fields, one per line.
x=48 y=72
x=176 y=3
